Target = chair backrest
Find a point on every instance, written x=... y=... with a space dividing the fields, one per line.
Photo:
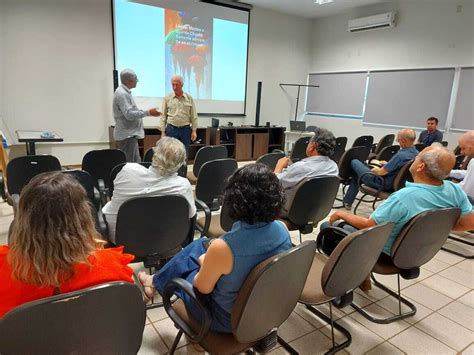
x=422 y=237
x=341 y=143
x=3 y=159
x=206 y=154
x=311 y=128
x=299 y=149
x=118 y=168
x=226 y=221
x=104 y=319
x=459 y=161
x=359 y=153
x=153 y=225
x=270 y=159
x=271 y=292
x=99 y=163
x=313 y=200
x=403 y=176
x=457 y=150
x=87 y=182
x=387 y=153
x=148 y=157
x=444 y=143
x=364 y=141
x=22 y=169
x=212 y=179
x=385 y=141
x=353 y=259
x=420 y=146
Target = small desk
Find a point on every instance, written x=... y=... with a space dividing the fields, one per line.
x=291 y=137
x=31 y=137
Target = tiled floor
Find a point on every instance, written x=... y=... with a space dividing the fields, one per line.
x=443 y=324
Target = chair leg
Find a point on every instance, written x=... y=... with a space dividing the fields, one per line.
x=466 y=256
x=176 y=342
x=400 y=299
x=287 y=346
x=335 y=347
x=301 y=238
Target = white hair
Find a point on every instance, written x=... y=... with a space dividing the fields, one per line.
x=127 y=75
x=432 y=159
x=169 y=156
x=177 y=77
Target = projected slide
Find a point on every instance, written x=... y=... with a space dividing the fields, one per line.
x=206 y=44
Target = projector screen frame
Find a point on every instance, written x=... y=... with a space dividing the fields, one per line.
x=243 y=7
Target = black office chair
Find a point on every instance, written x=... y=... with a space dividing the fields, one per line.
x=416 y=244
x=148 y=157
x=22 y=169
x=312 y=202
x=384 y=155
x=118 y=168
x=311 y=128
x=420 y=146
x=216 y=225
x=103 y=319
x=385 y=141
x=341 y=143
x=99 y=163
x=212 y=178
x=270 y=159
x=87 y=182
x=265 y=300
x=204 y=155
x=444 y=143
x=299 y=149
x=364 y=141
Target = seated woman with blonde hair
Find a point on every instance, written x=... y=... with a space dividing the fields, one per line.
x=55 y=247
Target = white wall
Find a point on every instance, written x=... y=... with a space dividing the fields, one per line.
x=57 y=59
x=428 y=34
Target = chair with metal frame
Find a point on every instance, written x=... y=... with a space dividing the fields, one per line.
x=416 y=244
x=103 y=319
x=299 y=149
x=340 y=148
x=336 y=276
x=385 y=141
x=265 y=300
x=99 y=163
x=204 y=155
x=270 y=159
x=399 y=182
x=312 y=203
x=154 y=229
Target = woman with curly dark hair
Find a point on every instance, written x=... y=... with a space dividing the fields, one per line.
x=254 y=198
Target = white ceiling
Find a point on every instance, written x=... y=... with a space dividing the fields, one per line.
x=308 y=9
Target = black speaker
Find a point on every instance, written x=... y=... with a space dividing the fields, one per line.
x=257 y=109
x=116 y=81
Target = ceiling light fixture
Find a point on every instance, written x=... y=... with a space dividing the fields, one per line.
x=322 y=2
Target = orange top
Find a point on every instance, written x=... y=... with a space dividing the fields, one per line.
x=106 y=265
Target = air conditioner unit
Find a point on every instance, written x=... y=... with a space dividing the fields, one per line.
x=372 y=22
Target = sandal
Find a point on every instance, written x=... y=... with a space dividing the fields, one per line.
x=148 y=290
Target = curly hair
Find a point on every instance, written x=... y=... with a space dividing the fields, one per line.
x=325 y=140
x=253 y=194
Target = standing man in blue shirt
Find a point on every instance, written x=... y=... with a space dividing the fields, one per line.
x=382 y=178
x=128 y=117
x=431 y=134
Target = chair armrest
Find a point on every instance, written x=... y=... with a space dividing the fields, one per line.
x=207 y=213
x=319 y=238
x=378 y=177
x=102 y=191
x=102 y=225
x=15 y=200
x=186 y=287
x=96 y=199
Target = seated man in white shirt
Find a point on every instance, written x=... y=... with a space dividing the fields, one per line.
x=466 y=143
x=160 y=179
x=320 y=147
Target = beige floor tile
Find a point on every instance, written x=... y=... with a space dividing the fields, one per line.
x=374 y=294
x=445 y=286
x=157 y=314
x=469 y=350
x=414 y=341
x=313 y=319
x=188 y=349
x=427 y=296
x=435 y=265
x=312 y=343
x=446 y=331
x=385 y=349
x=279 y=350
x=152 y=343
x=391 y=304
x=294 y=327
x=362 y=338
x=386 y=331
x=466 y=264
x=360 y=300
x=448 y=258
x=461 y=276
x=168 y=332
x=459 y=313
x=467 y=299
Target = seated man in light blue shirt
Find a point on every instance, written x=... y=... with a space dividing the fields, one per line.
x=318 y=164
x=429 y=191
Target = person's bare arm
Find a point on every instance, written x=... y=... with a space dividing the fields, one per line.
x=281 y=164
x=379 y=171
x=217 y=261
x=465 y=223
x=354 y=220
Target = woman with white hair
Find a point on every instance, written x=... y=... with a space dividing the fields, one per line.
x=160 y=179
